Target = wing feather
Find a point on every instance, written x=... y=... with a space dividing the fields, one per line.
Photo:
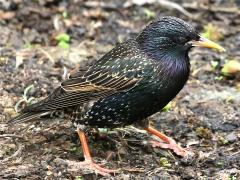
x=107 y=76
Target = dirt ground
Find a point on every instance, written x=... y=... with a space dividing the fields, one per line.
x=204 y=117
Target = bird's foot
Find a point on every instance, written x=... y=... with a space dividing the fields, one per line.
x=184 y=152
x=168 y=143
x=88 y=165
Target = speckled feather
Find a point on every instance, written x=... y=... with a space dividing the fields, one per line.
x=134 y=80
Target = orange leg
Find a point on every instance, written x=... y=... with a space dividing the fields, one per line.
x=88 y=163
x=169 y=143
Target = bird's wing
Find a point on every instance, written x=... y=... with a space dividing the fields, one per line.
x=99 y=82
x=108 y=76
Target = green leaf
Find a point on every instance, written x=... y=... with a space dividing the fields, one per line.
x=214 y=64
x=218 y=78
x=63 y=45
x=65 y=14
x=167 y=107
x=212 y=32
x=28 y=45
x=149 y=14
x=164 y=162
x=63 y=37
x=27 y=89
x=78 y=178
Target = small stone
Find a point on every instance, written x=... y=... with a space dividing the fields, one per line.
x=189 y=173
x=231 y=137
x=49 y=173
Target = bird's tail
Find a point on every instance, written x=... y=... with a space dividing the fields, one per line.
x=43 y=109
x=28 y=116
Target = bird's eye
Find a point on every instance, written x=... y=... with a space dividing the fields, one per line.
x=179 y=40
x=182 y=40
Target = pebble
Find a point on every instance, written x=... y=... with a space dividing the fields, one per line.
x=231 y=137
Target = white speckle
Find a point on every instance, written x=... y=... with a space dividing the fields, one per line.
x=116 y=122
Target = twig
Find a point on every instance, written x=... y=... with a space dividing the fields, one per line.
x=233 y=154
x=198 y=6
x=11 y=135
x=65 y=73
x=104 y=5
x=173 y=5
x=164 y=3
x=19 y=151
x=47 y=54
x=134 y=170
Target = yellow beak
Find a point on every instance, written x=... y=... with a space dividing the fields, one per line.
x=204 y=42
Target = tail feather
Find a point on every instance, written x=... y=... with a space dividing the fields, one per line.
x=28 y=116
x=50 y=106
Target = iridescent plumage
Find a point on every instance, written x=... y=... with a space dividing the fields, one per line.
x=134 y=80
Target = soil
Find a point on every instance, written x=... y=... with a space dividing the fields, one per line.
x=204 y=117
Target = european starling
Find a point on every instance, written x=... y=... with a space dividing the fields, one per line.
x=134 y=80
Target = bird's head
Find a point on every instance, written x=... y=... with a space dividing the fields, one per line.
x=172 y=34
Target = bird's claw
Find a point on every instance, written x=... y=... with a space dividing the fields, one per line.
x=184 y=152
x=100 y=170
x=86 y=165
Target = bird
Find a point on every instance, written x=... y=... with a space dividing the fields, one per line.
x=133 y=81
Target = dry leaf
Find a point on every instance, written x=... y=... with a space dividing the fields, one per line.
x=231 y=67
x=6 y=15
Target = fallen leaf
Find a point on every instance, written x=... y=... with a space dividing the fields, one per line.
x=231 y=68
x=6 y=15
